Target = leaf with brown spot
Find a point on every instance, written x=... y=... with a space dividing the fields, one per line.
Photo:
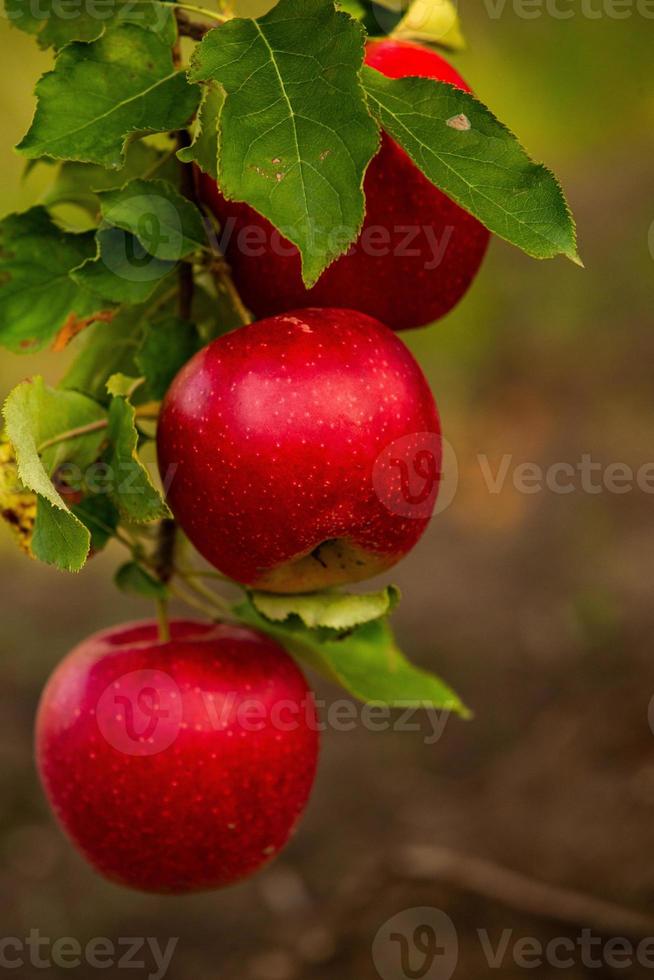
x=37 y=294
x=293 y=90
x=459 y=145
x=75 y=325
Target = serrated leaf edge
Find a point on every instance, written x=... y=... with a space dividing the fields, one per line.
x=572 y=253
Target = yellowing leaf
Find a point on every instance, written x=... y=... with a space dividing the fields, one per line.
x=17 y=505
x=432 y=22
x=329 y=610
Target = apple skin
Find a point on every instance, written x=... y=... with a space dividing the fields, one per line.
x=189 y=805
x=277 y=443
x=445 y=244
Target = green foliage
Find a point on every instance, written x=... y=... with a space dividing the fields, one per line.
x=214 y=310
x=167 y=225
x=132 y=490
x=122 y=271
x=367 y=663
x=136 y=580
x=204 y=148
x=57 y=22
x=57 y=434
x=108 y=349
x=136 y=344
x=100 y=94
x=34 y=416
x=283 y=114
x=98 y=512
x=463 y=149
x=328 y=610
x=78 y=183
x=59 y=537
x=123 y=385
x=295 y=135
x=167 y=346
x=37 y=293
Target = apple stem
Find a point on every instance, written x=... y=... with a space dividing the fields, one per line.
x=220 y=603
x=211 y=14
x=202 y=573
x=190 y=600
x=162 y=619
x=163 y=559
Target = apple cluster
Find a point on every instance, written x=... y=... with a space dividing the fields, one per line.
x=301 y=452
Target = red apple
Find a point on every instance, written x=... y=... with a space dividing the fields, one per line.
x=417 y=253
x=302 y=451
x=177 y=766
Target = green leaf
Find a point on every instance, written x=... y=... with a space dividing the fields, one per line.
x=135 y=579
x=462 y=148
x=59 y=538
x=122 y=270
x=367 y=663
x=204 y=148
x=37 y=294
x=165 y=223
x=57 y=22
x=295 y=133
x=214 y=312
x=101 y=94
x=99 y=514
x=167 y=346
x=122 y=385
x=109 y=348
x=431 y=22
x=330 y=610
x=35 y=415
x=78 y=183
x=132 y=490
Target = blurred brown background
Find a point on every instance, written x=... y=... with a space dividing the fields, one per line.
x=537 y=606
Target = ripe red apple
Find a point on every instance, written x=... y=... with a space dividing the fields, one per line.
x=302 y=451
x=177 y=766
x=417 y=253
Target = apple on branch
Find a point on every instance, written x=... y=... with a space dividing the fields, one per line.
x=303 y=451
x=182 y=765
